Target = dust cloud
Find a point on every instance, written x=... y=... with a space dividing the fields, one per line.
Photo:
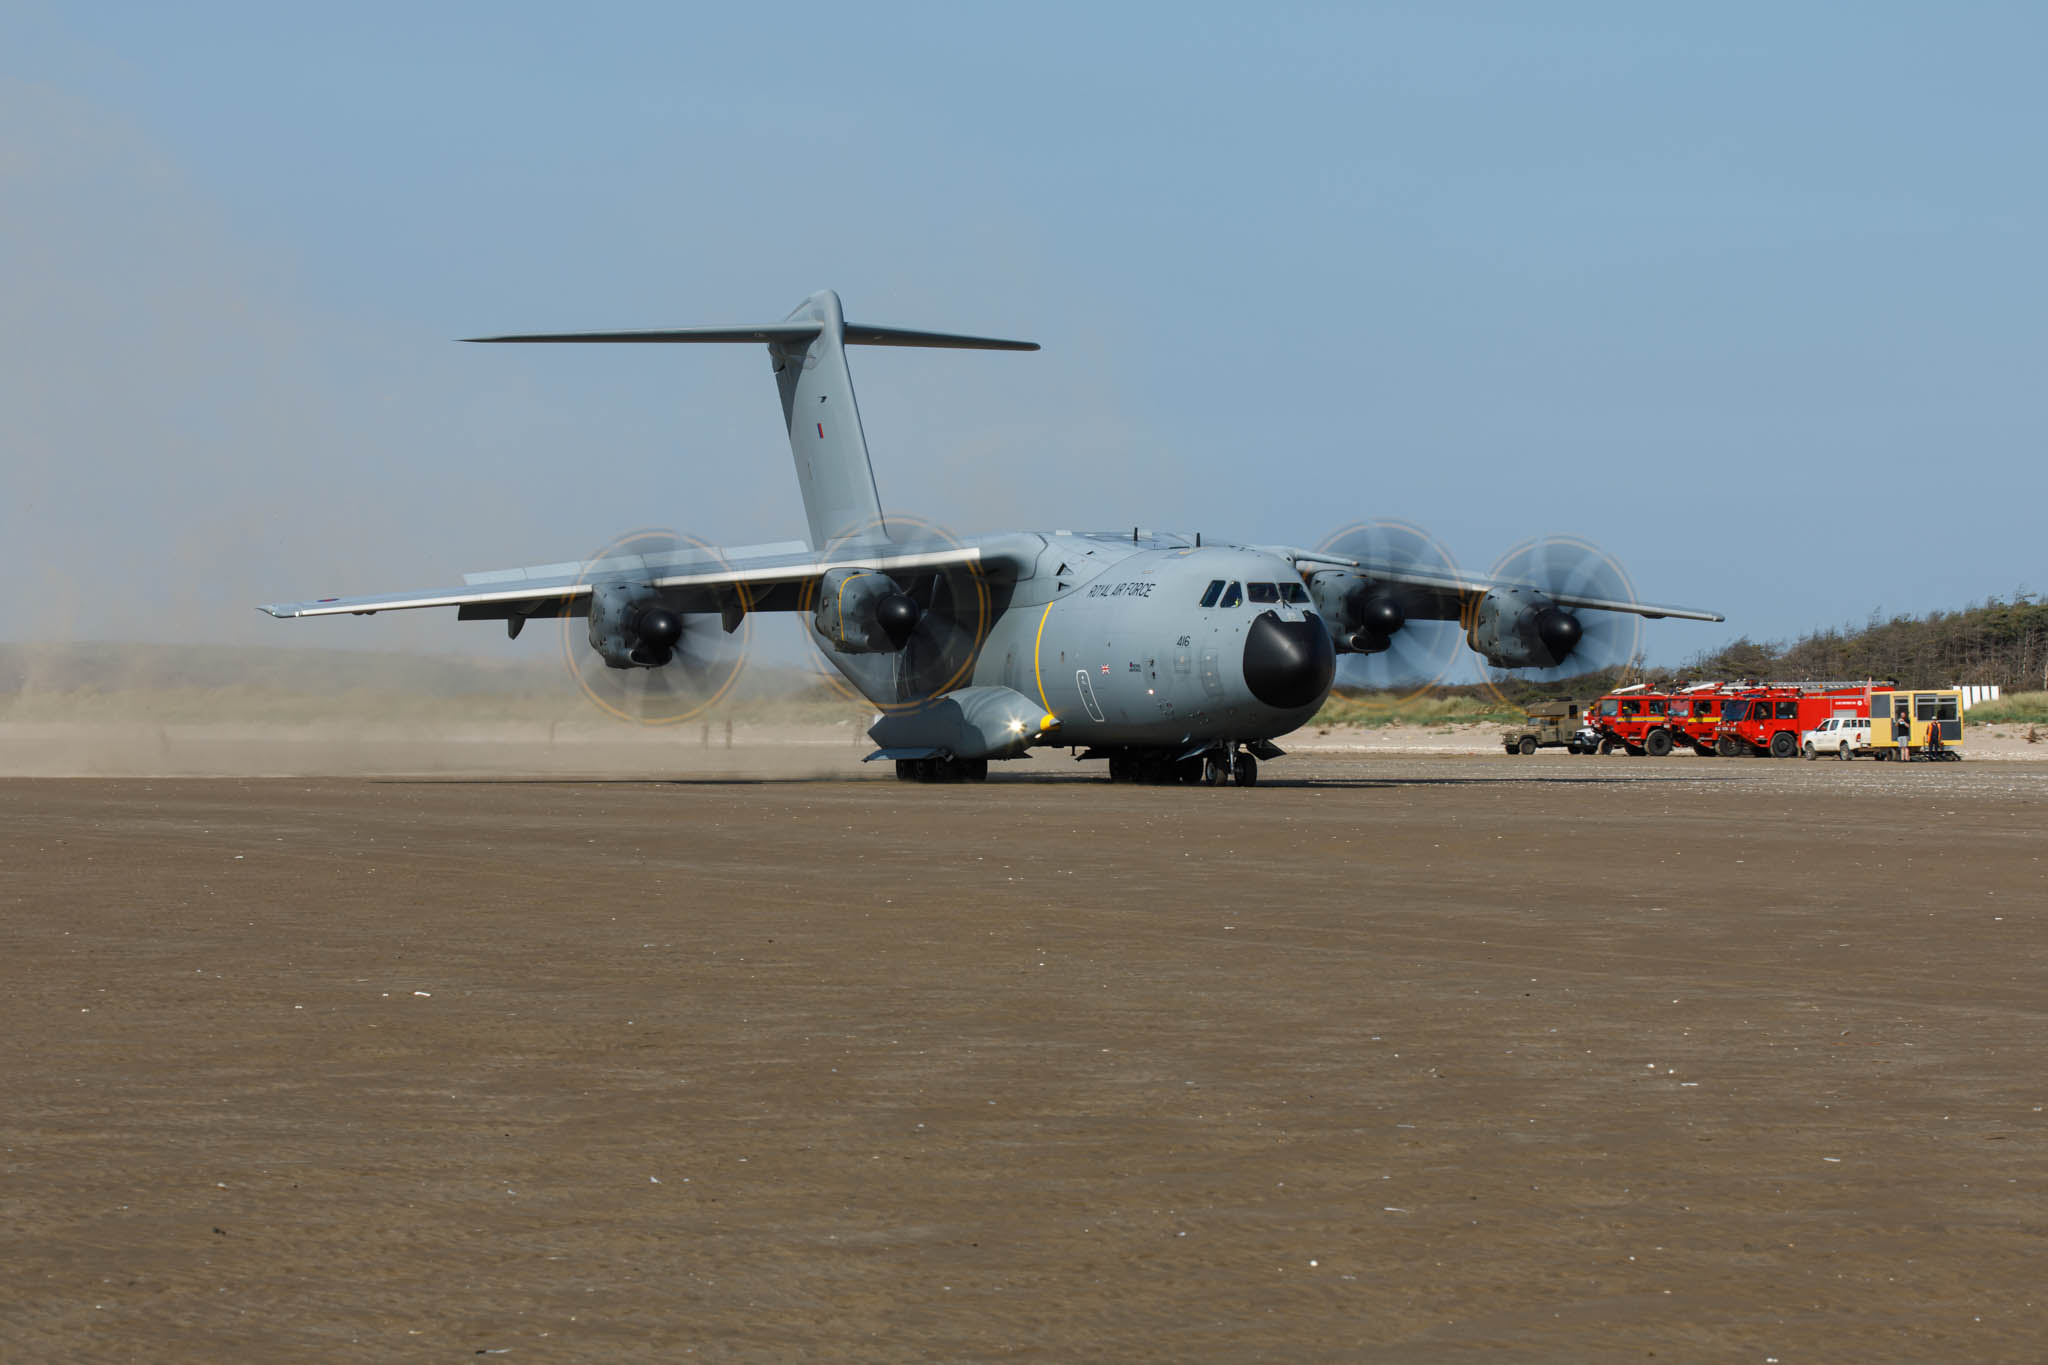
x=144 y=710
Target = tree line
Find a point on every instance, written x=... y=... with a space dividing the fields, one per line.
x=2000 y=642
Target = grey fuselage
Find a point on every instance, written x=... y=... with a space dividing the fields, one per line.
x=1110 y=634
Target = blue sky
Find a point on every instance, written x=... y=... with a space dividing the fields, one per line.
x=1656 y=276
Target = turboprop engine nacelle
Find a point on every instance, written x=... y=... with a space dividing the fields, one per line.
x=1521 y=628
x=1362 y=615
x=862 y=612
x=631 y=627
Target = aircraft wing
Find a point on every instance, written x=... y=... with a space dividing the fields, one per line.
x=1445 y=593
x=699 y=578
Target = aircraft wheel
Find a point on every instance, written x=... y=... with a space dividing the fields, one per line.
x=1215 y=770
x=906 y=770
x=1245 y=771
x=974 y=769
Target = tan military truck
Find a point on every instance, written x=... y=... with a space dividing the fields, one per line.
x=1551 y=725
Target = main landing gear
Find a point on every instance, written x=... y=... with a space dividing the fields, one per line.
x=1211 y=769
x=942 y=770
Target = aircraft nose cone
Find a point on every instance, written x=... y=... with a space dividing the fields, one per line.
x=1288 y=664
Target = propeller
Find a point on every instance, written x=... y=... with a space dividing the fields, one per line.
x=677 y=662
x=938 y=620
x=1584 y=640
x=1419 y=650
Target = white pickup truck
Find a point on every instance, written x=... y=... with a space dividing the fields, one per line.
x=1837 y=737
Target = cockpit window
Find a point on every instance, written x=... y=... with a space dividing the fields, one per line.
x=1232 y=595
x=1264 y=592
x=1294 y=592
x=1215 y=591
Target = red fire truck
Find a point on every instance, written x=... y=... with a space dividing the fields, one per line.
x=1694 y=715
x=1655 y=720
x=1771 y=717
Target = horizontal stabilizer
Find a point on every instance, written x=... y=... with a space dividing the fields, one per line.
x=860 y=334
x=765 y=331
x=857 y=334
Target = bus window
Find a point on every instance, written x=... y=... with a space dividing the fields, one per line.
x=1923 y=706
x=1949 y=709
x=1215 y=591
x=1263 y=592
x=1232 y=595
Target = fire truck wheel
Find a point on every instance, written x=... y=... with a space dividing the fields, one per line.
x=1807 y=752
x=1527 y=746
x=1783 y=745
x=1657 y=743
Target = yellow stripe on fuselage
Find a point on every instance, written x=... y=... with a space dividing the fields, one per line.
x=1038 y=672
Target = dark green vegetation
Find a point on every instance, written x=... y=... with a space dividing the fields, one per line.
x=2000 y=642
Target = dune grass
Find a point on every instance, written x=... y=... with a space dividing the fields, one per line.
x=1378 y=709
x=2017 y=708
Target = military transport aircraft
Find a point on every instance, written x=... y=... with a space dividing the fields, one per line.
x=1174 y=659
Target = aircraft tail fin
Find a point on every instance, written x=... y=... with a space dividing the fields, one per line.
x=808 y=350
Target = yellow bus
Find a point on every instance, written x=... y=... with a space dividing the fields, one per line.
x=1921 y=723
